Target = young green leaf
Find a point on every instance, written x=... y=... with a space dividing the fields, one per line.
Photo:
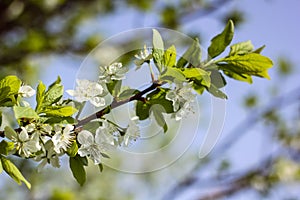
x=158 y=50
x=199 y=74
x=158 y=97
x=59 y=111
x=171 y=74
x=73 y=149
x=9 y=87
x=13 y=82
x=216 y=92
x=239 y=77
x=158 y=111
x=25 y=112
x=221 y=41
x=13 y=171
x=10 y=133
x=157 y=40
x=241 y=48
x=6 y=147
x=125 y=94
x=170 y=57
x=114 y=87
x=249 y=64
x=77 y=168
x=54 y=93
x=217 y=79
x=142 y=110
x=192 y=55
x=259 y=50
x=40 y=95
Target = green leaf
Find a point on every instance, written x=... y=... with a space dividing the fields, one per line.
x=13 y=82
x=58 y=120
x=127 y=94
x=241 y=48
x=171 y=74
x=114 y=87
x=157 y=40
x=249 y=64
x=40 y=95
x=158 y=50
x=73 y=149
x=77 y=168
x=13 y=172
x=158 y=111
x=10 y=133
x=198 y=87
x=259 y=50
x=239 y=77
x=170 y=57
x=54 y=93
x=202 y=76
x=216 y=92
x=25 y=112
x=221 y=41
x=192 y=55
x=217 y=79
x=59 y=111
x=142 y=110
x=157 y=97
x=9 y=88
x=6 y=147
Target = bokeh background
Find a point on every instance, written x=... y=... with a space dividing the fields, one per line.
x=258 y=153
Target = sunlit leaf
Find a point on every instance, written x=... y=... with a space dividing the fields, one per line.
x=221 y=41
x=249 y=64
x=13 y=172
x=241 y=48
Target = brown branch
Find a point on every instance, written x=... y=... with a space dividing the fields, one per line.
x=116 y=104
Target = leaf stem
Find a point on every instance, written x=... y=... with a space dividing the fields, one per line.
x=151 y=72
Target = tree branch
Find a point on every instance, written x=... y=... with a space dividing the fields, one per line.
x=116 y=104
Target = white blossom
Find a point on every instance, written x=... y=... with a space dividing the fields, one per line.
x=181 y=98
x=143 y=54
x=93 y=147
x=88 y=91
x=26 y=91
x=115 y=71
x=27 y=145
x=48 y=156
x=132 y=132
x=62 y=139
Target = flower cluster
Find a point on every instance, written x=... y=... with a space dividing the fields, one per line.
x=115 y=71
x=181 y=97
x=89 y=91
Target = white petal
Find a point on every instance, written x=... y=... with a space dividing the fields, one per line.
x=71 y=92
x=97 y=101
x=23 y=135
x=26 y=91
x=85 y=137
